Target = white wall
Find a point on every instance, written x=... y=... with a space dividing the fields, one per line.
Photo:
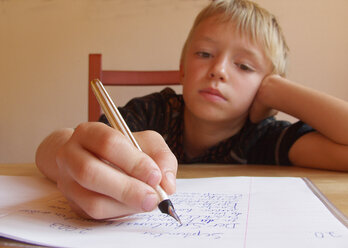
x=44 y=47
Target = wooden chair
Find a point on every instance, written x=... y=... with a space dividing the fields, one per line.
x=131 y=78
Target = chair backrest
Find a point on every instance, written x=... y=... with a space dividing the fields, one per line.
x=111 y=77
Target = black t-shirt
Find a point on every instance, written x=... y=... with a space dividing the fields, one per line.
x=266 y=142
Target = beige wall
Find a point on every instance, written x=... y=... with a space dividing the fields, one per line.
x=44 y=47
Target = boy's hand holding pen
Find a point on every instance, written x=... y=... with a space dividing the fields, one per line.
x=97 y=190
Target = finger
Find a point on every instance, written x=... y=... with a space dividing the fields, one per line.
x=114 y=147
x=93 y=205
x=154 y=145
x=94 y=175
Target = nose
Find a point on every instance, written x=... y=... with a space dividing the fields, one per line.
x=218 y=70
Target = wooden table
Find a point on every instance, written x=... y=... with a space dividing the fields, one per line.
x=334 y=185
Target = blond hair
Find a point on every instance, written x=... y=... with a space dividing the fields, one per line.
x=250 y=19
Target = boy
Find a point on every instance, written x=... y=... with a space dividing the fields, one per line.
x=232 y=70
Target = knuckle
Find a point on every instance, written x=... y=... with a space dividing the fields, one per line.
x=107 y=142
x=152 y=134
x=85 y=174
x=144 y=163
x=170 y=156
x=166 y=155
x=80 y=129
x=127 y=193
x=110 y=143
x=173 y=161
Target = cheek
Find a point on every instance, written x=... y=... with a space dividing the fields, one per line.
x=253 y=89
x=194 y=68
x=192 y=78
x=190 y=73
x=247 y=90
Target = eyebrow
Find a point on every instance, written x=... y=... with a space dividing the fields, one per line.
x=207 y=38
x=256 y=56
x=249 y=52
x=243 y=50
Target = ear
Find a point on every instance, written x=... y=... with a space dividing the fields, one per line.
x=182 y=73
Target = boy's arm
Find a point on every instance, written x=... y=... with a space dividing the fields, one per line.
x=328 y=147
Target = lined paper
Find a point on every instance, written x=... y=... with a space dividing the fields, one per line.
x=231 y=211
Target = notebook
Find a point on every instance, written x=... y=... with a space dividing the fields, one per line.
x=245 y=212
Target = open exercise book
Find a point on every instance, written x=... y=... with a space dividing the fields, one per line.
x=243 y=212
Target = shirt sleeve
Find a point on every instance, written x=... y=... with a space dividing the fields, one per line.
x=273 y=140
x=287 y=138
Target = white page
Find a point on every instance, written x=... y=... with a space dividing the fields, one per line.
x=237 y=211
x=15 y=190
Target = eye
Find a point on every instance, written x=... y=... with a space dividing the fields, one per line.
x=244 y=67
x=203 y=54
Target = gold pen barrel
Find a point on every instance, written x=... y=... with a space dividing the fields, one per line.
x=112 y=114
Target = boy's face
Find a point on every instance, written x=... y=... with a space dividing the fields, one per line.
x=221 y=72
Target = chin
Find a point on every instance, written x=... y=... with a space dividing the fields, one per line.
x=209 y=115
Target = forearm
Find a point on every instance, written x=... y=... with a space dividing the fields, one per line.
x=46 y=152
x=327 y=114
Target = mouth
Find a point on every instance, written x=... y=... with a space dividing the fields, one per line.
x=212 y=94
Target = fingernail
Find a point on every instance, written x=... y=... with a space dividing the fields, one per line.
x=154 y=178
x=149 y=202
x=171 y=178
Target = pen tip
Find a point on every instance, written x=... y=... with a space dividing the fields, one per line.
x=166 y=207
x=172 y=213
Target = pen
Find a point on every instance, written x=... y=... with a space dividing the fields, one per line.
x=116 y=121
